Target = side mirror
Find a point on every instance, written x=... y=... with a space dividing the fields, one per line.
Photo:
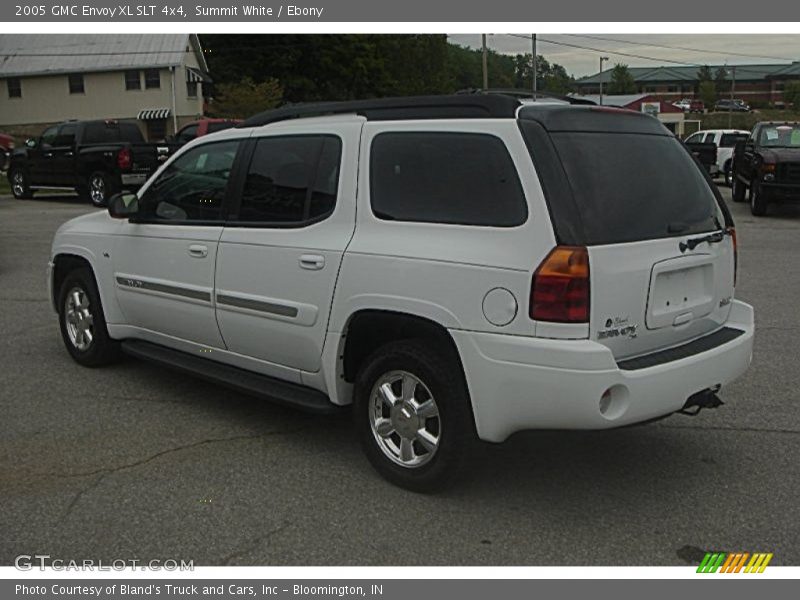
x=123 y=205
x=31 y=143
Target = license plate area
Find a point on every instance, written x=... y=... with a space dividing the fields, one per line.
x=681 y=290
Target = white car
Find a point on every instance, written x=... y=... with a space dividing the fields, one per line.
x=456 y=268
x=684 y=104
x=725 y=139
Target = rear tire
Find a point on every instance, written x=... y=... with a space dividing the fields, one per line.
x=20 y=186
x=98 y=189
x=82 y=323
x=413 y=415
x=759 y=200
x=737 y=190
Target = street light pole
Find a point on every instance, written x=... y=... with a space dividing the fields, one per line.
x=485 y=64
x=602 y=58
x=535 y=65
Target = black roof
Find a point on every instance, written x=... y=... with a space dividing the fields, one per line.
x=456 y=106
x=605 y=119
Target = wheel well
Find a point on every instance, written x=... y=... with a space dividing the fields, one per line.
x=368 y=330
x=64 y=265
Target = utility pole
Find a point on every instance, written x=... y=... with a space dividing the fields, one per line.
x=535 y=65
x=485 y=64
x=602 y=58
x=733 y=89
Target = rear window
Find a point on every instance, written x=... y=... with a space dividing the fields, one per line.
x=438 y=177
x=626 y=187
x=729 y=140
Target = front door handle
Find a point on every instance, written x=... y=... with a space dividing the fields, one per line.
x=198 y=251
x=312 y=262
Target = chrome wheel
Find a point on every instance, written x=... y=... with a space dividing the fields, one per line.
x=18 y=183
x=78 y=319
x=97 y=190
x=404 y=419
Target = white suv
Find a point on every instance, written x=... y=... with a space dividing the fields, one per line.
x=455 y=267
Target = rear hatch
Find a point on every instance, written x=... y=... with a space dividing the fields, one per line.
x=661 y=259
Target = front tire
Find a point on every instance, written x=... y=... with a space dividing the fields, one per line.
x=737 y=190
x=20 y=186
x=82 y=323
x=413 y=416
x=758 y=201
x=98 y=189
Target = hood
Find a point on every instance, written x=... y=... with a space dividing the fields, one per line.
x=98 y=222
x=780 y=155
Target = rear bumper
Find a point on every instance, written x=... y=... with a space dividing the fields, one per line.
x=519 y=383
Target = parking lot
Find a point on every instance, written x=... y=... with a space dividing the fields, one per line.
x=135 y=461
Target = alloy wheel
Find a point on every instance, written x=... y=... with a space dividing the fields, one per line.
x=18 y=183
x=79 y=319
x=97 y=190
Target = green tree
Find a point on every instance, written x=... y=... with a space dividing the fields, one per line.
x=791 y=93
x=721 y=82
x=622 y=82
x=246 y=98
x=704 y=74
x=550 y=77
x=708 y=93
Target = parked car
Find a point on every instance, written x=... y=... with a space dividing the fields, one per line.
x=735 y=105
x=455 y=267
x=697 y=106
x=95 y=158
x=725 y=141
x=6 y=146
x=768 y=164
x=202 y=127
x=684 y=104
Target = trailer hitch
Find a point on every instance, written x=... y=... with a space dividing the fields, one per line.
x=704 y=399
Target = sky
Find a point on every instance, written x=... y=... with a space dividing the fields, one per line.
x=695 y=49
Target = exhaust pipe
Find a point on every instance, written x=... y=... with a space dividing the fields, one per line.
x=704 y=399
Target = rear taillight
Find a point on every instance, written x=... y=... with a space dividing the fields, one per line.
x=732 y=233
x=124 y=159
x=560 y=288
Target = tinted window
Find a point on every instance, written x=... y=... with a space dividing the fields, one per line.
x=709 y=138
x=109 y=132
x=187 y=134
x=291 y=179
x=694 y=138
x=729 y=140
x=49 y=135
x=192 y=187
x=458 y=178
x=630 y=187
x=66 y=135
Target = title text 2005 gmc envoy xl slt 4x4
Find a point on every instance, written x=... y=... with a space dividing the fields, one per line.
x=456 y=267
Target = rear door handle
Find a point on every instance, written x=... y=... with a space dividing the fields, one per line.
x=198 y=250
x=312 y=262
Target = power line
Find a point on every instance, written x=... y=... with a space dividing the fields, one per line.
x=727 y=52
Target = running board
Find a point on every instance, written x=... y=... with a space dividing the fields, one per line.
x=248 y=382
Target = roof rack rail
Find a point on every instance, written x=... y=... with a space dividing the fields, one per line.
x=455 y=106
x=528 y=95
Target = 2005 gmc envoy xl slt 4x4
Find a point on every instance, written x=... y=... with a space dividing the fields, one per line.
x=456 y=267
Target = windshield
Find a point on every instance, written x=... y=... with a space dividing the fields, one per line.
x=780 y=136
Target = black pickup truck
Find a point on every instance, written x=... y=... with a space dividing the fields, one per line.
x=95 y=158
x=768 y=164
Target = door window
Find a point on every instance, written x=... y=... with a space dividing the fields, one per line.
x=292 y=180
x=66 y=136
x=49 y=136
x=193 y=187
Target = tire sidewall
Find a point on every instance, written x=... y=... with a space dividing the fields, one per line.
x=758 y=201
x=444 y=380
x=102 y=349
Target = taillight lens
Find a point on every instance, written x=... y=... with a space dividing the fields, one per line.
x=732 y=233
x=560 y=288
x=124 y=159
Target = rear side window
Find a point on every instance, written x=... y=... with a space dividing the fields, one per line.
x=292 y=180
x=626 y=187
x=729 y=140
x=439 y=177
x=100 y=132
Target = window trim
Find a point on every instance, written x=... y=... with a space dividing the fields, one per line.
x=404 y=131
x=230 y=189
x=233 y=221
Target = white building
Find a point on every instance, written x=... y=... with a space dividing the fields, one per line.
x=155 y=79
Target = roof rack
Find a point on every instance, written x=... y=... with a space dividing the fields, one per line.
x=455 y=106
x=528 y=95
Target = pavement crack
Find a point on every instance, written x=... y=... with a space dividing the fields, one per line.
x=744 y=429
x=252 y=545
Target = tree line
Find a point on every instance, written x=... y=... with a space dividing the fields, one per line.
x=255 y=73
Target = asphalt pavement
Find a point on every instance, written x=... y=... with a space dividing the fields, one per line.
x=135 y=461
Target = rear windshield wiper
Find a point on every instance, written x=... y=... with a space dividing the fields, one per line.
x=711 y=238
